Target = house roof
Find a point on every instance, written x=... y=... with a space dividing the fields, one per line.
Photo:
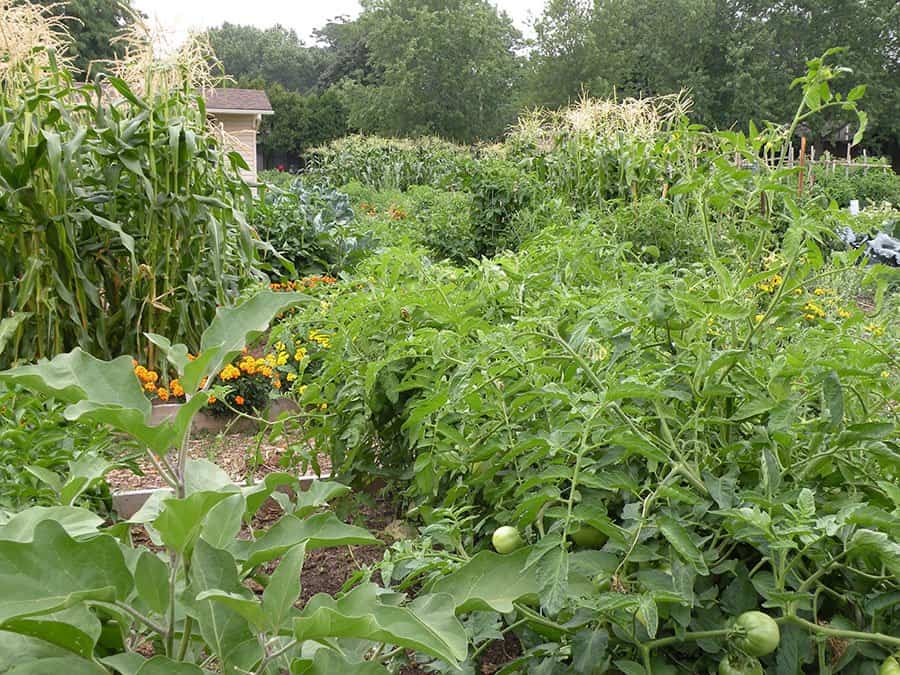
x=238 y=101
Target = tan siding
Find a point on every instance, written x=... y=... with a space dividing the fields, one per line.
x=241 y=132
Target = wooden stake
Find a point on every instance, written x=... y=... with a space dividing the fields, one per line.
x=800 y=175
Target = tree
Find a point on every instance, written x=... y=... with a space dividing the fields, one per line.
x=92 y=24
x=447 y=68
x=346 y=54
x=563 y=64
x=274 y=54
x=300 y=121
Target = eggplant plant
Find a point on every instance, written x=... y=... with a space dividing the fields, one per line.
x=77 y=592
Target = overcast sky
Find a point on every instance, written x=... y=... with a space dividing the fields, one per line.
x=181 y=16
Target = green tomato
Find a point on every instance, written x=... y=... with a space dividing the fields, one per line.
x=734 y=664
x=588 y=537
x=890 y=667
x=506 y=539
x=758 y=633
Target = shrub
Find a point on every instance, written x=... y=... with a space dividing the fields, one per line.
x=443 y=221
x=500 y=189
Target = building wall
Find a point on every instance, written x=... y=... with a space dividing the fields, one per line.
x=240 y=131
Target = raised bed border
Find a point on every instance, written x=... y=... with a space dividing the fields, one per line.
x=127 y=502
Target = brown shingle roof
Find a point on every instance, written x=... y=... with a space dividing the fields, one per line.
x=238 y=99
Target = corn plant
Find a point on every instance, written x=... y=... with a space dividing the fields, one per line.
x=119 y=212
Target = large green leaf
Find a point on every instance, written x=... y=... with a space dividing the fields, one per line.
x=151 y=580
x=75 y=520
x=283 y=588
x=428 y=624
x=181 y=520
x=54 y=665
x=54 y=571
x=319 y=531
x=224 y=630
x=327 y=661
x=16 y=650
x=75 y=629
x=491 y=582
x=78 y=376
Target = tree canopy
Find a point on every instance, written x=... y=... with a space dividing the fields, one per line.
x=93 y=25
x=460 y=69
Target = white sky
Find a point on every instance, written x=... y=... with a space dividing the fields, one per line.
x=180 y=16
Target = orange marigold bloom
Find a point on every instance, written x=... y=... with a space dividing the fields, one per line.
x=211 y=400
x=163 y=394
x=239 y=399
x=149 y=386
x=177 y=389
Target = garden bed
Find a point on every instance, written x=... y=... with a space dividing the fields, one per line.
x=242 y=455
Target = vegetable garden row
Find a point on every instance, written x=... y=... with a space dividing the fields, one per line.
x=634 y=400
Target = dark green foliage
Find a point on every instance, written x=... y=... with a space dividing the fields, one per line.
x=299 y=122
x=869 y=187
x=443 y=68
x=308 y=227
x=444 y=221
x=274 y=54
x=657 y=232
x=93 y=25
x=500 y=190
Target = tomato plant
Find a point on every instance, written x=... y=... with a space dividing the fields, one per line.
x=506 y=539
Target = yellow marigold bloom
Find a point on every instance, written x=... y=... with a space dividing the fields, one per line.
x=152 y=376
x=229 y=372
x=821 y=291
x=324 y=406
x=300 y=354
x=279 y=346
x=177 y=389
x=266 y=371
x=282 y=358
x=301 y=388
x=149 y=387
x=875 y=329
x=163 y=394
x=270 y=360
x=260 y=362
x=812 y=311
x=291 y=377
x=798 y=291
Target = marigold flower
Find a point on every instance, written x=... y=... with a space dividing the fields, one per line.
x=875 y=329
x=229 y=372
x=163 y=394
x=149 y=387
x=300 y=354
x=291 y=377
x=211 y=400
x=239 y=400
x=759 y=318
x=177 y=389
